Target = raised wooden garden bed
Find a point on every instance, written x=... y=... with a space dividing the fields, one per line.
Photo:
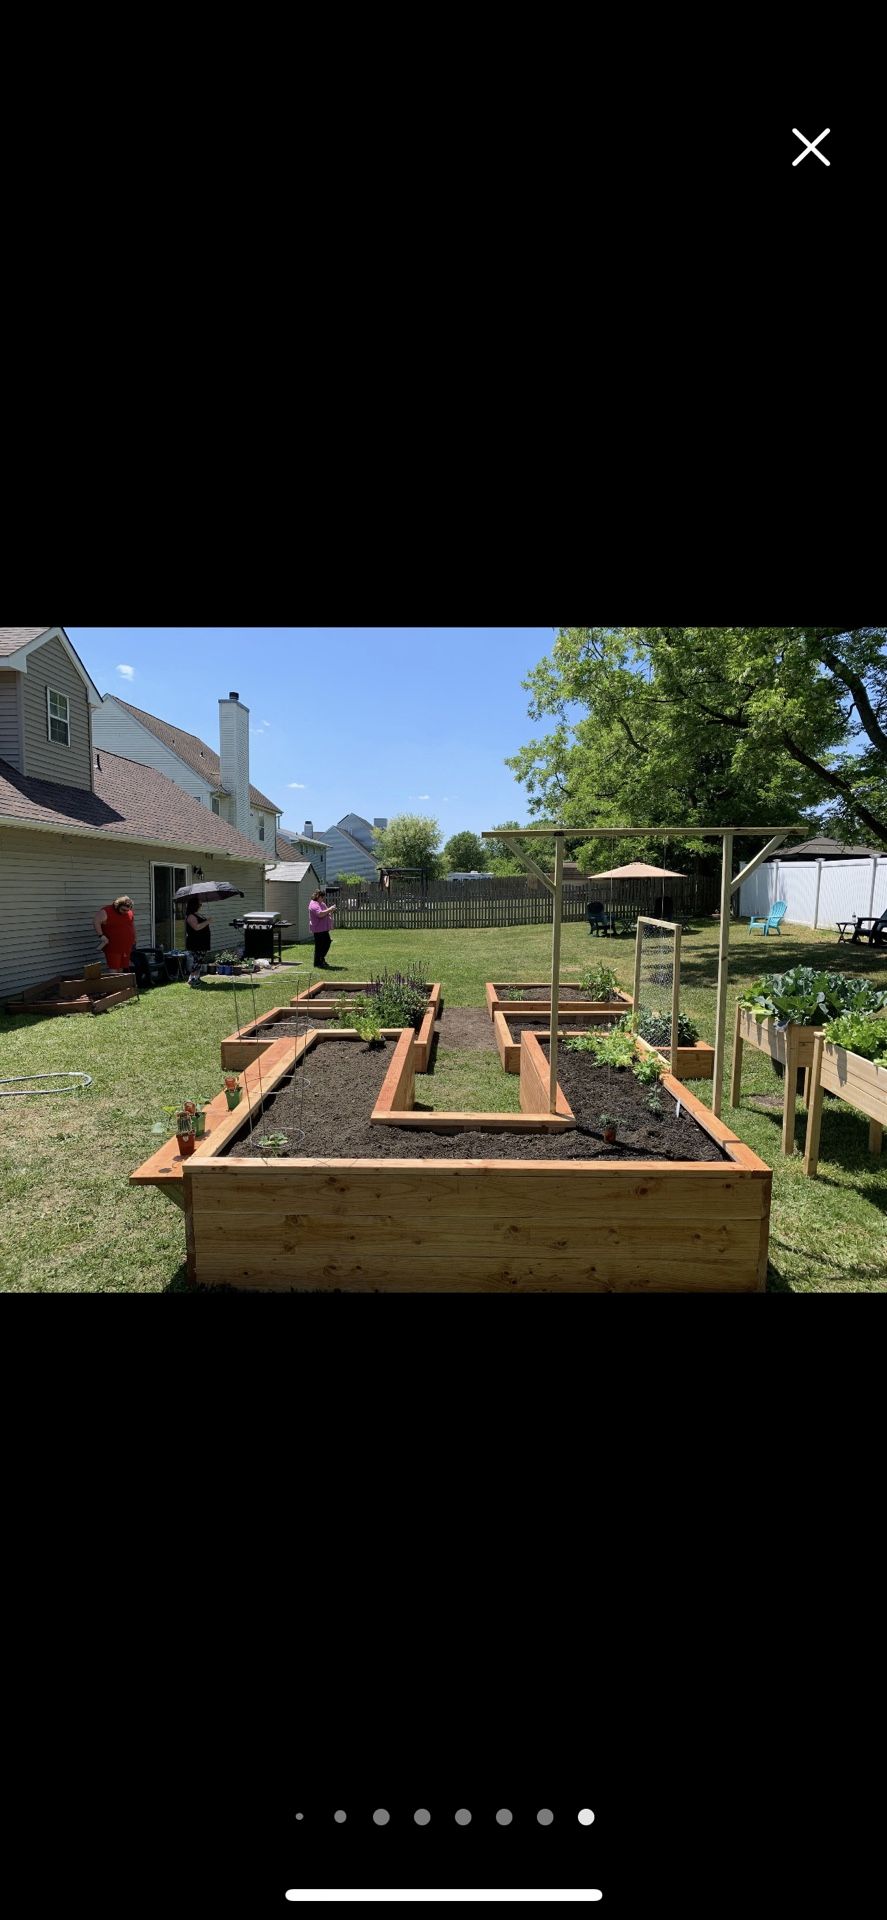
x=791 y=1045
x=502 y=998
x=249 y=1042
x=862 y=1083
x=696 y=1062
x=394 y=1106
x=508 y=1041
x=456 y=1224
x=87 y=993
x=324 y=997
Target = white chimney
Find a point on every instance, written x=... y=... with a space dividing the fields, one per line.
x=381 y=824
x=308 y=829
x=234 y=759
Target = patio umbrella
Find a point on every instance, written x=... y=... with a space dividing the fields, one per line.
x=209 y=890
x=635 y=870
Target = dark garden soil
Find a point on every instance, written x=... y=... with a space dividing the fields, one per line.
x=330 y=1100
x=564 y=994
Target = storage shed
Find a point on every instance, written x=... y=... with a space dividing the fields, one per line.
x=288 y=889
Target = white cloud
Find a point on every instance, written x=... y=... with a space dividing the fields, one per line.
x=297 y=783
x=423 y=796
x=127 y=673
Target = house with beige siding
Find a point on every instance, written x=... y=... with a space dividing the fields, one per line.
x=81 y=824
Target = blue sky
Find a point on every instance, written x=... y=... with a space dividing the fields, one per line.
x=371 y=720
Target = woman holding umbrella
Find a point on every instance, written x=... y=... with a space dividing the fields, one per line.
x=198 y=932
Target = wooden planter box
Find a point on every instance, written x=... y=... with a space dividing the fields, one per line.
x=696 y=1062
x=862 y=1083
x=323 y=998
x=495 y=1226
x=793 y=1046
x=500 y=1001
x=79 y=995
x=569 y=1024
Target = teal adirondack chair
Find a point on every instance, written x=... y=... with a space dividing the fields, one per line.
x=774 y=918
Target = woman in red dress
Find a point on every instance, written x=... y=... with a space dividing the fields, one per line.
x=116 y=928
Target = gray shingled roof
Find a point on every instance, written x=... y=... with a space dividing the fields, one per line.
x=11 y=638
x=129 y=802
x=195 y=753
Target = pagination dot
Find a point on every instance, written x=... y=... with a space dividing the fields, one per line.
x=381 y=1816
x=340 y=1816
x=422 y=1817
x=463 y=1817
x=545 y=1816
x=504 y=1817
x=586 y=1817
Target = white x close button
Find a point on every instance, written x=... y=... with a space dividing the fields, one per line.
x=811 y=146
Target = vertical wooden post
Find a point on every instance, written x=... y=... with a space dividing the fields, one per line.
x=814 y=1110
x=738 y=1045
x=723 y=964
x=555 y=969
x=636 y=987
x=876 y=1136
x=792 y=1044
x=675 y=1000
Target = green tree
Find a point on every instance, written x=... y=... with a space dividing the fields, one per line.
x=501 y=857
x=712 y=726
x=409 y=840
x=465 y=851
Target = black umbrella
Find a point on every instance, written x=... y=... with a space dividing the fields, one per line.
x=209 y=890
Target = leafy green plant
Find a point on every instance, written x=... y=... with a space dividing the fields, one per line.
x=348 y=1013
x=648 y=1069
x=809 y=998
x=600 y=983
x=369 y=1030
x=654 y=1101
x=273 y=1143
x=615 y=1049
x=860 y=1033
x=608 y=1125
x=655 y=1028
x=350 y=879
x=399 y=999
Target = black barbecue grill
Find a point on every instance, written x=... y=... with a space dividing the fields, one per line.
x=259 y=930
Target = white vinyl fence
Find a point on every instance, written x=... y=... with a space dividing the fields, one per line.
x=818 y=893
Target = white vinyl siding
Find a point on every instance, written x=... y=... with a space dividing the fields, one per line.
x=49 y=667
x=347 y=856
x=121 y=733
x=11 y=719
x=52 y=884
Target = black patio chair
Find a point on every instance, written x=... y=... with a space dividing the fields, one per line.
x=876 y=935
x=597 y=919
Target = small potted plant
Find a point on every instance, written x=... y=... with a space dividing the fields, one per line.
x=233 y=1090
x=225 y=962
x=608 y=1127
x=185 y=1134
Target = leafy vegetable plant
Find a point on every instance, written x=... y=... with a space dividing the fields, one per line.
x=600 y=983
x=860 y=1033
x=810 y=998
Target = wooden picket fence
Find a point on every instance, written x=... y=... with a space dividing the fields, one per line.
x=503 y=901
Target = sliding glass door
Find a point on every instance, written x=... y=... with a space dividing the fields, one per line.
x=168 y=917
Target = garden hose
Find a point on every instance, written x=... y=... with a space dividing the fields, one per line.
x=23 y=1093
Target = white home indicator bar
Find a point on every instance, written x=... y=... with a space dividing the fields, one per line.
x=444 y=1893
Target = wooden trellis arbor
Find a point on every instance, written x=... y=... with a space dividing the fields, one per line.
x=774 y=837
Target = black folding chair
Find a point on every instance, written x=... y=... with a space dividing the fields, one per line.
x=597 y=919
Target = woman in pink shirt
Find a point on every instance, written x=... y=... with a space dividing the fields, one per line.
x=320 y=919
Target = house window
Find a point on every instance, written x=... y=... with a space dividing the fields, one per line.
x=57 y=717
x=262 y=828
x=215 y=804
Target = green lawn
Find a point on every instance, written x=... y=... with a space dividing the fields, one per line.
x=69 y=1221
